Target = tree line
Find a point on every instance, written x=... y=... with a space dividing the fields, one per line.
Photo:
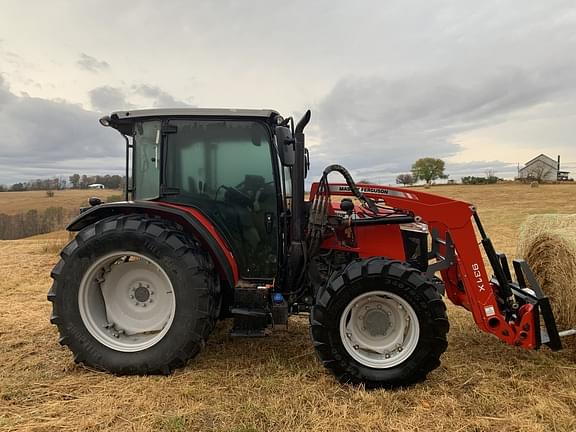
x=75 y=181
x=425 y=169
x=33 y=222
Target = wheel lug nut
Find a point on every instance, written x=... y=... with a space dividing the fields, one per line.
x=400 y=349
x=356 y=347
x=387 y=356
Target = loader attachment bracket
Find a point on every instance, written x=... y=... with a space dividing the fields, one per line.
x=527 y=290
x=442 y=261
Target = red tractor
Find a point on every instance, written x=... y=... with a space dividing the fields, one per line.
x=216 y=224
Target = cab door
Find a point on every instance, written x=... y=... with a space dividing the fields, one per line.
x=225 y=169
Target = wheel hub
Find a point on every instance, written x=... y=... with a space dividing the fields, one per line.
x=376 y=322
x=379 y=329
x=141 y=293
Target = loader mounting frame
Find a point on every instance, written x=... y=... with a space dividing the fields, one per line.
x=511 y=310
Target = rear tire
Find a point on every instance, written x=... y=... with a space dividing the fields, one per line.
x=379 y=323
x=169 y=272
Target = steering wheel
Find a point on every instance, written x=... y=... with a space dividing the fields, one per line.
x=237 y=196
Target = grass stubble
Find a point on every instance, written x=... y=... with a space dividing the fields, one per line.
x=276 y=383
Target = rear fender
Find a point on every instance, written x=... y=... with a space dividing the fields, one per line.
x=191 y=219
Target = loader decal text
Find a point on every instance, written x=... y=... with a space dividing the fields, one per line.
x=372 y=190
x=478 y=277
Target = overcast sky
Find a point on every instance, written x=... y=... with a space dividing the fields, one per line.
x=481 y=85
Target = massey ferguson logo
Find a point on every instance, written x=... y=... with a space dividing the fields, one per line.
x=478 y=277
x=371 y=190
x=365 y=190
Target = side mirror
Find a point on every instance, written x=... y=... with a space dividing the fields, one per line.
x=285 y=145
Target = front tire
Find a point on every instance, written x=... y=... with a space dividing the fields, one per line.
x=379 y=323
x=134 y=295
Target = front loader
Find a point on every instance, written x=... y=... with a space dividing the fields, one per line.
x=216 y=225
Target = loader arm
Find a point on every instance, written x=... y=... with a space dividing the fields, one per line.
x=509 y=310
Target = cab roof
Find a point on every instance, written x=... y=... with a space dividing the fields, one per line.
x=123 y=121
x=196 y=112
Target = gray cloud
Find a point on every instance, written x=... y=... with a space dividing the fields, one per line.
x=106 y=99
x=158 y=97
x=368 y=119
x=5 y=95
x=388 y=81
x=45 y=137
x=92 y=64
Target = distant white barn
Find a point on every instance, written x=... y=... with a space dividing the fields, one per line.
x=96 y=186
x=543 y=168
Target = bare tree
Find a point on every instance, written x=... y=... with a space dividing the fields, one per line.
x=405 y=179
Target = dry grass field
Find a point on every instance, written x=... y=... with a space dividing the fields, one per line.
x=19 y=202
x=276 y=384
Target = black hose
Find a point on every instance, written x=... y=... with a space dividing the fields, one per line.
x=351 y=184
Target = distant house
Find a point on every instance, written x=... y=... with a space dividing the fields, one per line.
x=543 y=168
x=96 y=186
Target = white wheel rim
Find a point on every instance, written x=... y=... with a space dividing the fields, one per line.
x=126 y=301
x=379 y=329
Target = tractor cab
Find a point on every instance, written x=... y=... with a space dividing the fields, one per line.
x=224 y=163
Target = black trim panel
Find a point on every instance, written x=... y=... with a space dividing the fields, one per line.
x=383 y=220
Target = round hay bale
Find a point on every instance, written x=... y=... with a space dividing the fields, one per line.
x=542 y=223
x=534 y=184
x=548 y=244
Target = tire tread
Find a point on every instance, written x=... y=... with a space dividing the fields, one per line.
x=323 y=332
x=190 y=254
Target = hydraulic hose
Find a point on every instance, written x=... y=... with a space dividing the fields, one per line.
x=351 y=184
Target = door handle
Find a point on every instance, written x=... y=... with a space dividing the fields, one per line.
x=269 y=222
